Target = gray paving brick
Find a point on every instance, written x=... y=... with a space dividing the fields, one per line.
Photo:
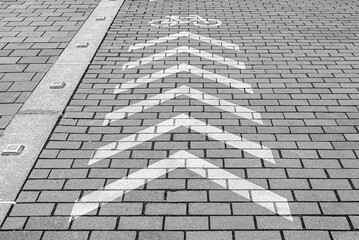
x=209 y=235
x=47 y=223
x=310 y=235
x=330 y=184
x=112 y=235
x=14 y=223
x=121 y=209
x=209 y=209
x=58 y=196
x=43 y=184
x=60 y=235
x=231 y=222
x=32 y=209
x=93 y=223
x=145 y=223
x=276 y=222
x=306 y=98
x=166 y=209
x=187 y=223
x=23 y=235
x=336 y=208
x=322 y=222
x=262 y=235
x=315 y=195
x=345 y=235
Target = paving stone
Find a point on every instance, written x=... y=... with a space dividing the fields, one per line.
x=345 y=235
x=166 y=209
x=231 y=222
x=307 y=100
x=145 y=223
x=310 y=235
x=339 y=208
x=187 y=196
x=23 y=235
x=276 y=222
x=187 y=223
x=209 y=209
x=161 y=235
x=27 y=196
x=14 y=223
x=43 y=184
x=8 y=97
x=17 y=77
x=322 y=222
x=93 y=223
x=47 y=223
x=60 y=235
x=209 y=235
x=330 y=184
x=121 y=209
x=58 y=196
x=262 y=235
x=32 y=209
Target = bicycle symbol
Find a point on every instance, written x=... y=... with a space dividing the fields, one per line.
x=196 y=20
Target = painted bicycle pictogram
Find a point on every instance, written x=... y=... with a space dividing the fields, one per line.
x=196 y=20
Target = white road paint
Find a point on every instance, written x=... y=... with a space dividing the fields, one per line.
x=183 y=159
x=209 y=40
x=183 y=68
x=174 y=51
x=141 y=106
x=172 y=20
x=166 y=126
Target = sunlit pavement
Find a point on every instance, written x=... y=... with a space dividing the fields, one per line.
x=198 y=120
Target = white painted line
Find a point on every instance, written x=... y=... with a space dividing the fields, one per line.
x=209 y=40
x=183 y=68
x=240 y=111
x=8 y=202
x=255 y=149
x=183 y=159
x=174 y=51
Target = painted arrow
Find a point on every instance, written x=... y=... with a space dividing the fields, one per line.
x=183 y=159
x=183 y=68
x=240 y=111
x=184 y=120
x=188 y=35
x=174 y=51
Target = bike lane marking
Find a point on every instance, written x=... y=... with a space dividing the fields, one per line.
x=186 y=49
x=183 y=67
x=183 y=159
x=184 y=120
x=175 y=36
x=111 y=149
x=173 y=20
x=187 y=91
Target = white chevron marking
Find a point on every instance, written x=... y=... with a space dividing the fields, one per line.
x=185 y=34
x=183 y=68
x=183 y=159
x=187 y=91
x=250 y=147
x=174 y=51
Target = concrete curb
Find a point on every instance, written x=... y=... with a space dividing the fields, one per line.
x=36 y=119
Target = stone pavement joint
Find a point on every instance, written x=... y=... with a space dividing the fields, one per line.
x=300 y=77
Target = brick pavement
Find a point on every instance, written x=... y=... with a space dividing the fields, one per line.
x=32 y=36
x=301 y=63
